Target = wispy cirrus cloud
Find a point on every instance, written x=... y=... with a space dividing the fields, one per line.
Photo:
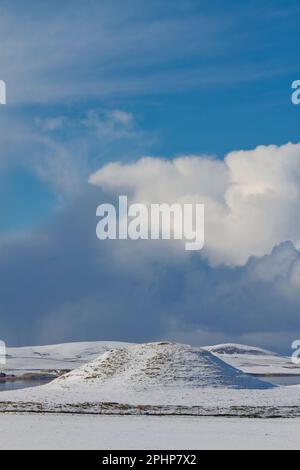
x=101 y=49
x=62 y=149
x=123 y=49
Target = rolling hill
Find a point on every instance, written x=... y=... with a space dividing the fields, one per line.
x=254 y=360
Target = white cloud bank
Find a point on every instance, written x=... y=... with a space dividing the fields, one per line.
x=252 y=198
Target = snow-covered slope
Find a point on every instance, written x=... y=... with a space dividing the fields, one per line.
x=254 y=360
x=57 y=356
x=158 y=365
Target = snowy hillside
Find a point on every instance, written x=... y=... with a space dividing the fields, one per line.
x=254 y=360
x=56 y=357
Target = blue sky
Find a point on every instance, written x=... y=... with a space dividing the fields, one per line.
x=199 y=77
x=112 y=81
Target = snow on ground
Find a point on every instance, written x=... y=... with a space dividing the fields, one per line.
x=278 y=402
x=146 y=432
x=254 y=360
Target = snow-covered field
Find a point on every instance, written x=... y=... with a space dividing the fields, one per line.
x=146 y=432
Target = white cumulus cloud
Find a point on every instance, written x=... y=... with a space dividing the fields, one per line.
x=252 y=198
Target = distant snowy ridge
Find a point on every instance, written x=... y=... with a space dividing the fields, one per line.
x=57 y=356
x=254 y=360
x=233 y=348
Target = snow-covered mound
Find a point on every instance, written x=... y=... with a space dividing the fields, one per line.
x=158 y=366
x=254 y=360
